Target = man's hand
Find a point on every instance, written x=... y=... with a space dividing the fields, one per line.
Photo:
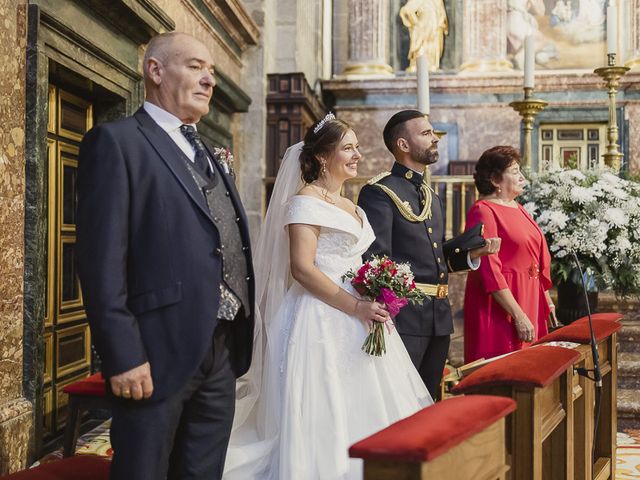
x=491 y=246
x=135 y=383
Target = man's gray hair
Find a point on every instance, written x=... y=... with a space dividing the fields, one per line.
x=158 y=46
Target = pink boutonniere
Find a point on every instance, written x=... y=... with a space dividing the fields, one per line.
x=225 y=157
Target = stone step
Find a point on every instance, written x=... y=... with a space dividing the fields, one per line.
x=628 y=409
x=629 y=337
x=629 y=370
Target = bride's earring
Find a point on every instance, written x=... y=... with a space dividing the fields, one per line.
x=323 y=169
x=499 y=190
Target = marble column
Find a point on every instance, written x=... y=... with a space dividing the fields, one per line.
x=15 y=410
x=484 y=31
x=631 y=32
x=368 y=38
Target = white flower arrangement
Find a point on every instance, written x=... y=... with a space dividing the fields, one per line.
x=595 y=214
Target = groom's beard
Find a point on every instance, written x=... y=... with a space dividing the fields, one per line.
x=429 y=156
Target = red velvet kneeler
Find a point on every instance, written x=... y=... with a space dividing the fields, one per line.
x=461 y=438
x=433 y=430
x=578 y=332
x=92 y=386
x=83 y=467
x=534 y=366
x=540 y=379
x=86 y=394
x=605 y=327
x=616 y=317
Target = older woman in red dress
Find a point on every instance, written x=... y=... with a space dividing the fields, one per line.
x=507 y=301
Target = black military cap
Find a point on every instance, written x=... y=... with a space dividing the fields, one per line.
x=395 y=120
x=469 y=240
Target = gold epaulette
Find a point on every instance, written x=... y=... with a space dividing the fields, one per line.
x=378 y=177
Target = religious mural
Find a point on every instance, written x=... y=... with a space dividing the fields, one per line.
x=568 y=33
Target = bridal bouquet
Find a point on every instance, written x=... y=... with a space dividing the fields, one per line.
x=387 y=282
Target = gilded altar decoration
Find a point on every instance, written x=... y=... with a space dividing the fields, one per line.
x=427 y=23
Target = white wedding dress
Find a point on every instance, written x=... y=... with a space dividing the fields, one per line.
x=311 y=391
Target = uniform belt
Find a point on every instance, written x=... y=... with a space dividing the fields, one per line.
x=438 y=291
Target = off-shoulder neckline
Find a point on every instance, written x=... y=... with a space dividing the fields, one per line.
x=359 y=211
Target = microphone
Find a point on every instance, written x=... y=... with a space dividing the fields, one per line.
x=597 y=375
x=585 y=372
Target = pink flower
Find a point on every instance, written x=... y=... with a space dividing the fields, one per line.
x=393 y=303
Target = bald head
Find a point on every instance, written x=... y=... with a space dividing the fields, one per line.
x=165 y=46
x=178 y=75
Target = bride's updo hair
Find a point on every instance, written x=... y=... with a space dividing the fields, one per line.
x=321 y=139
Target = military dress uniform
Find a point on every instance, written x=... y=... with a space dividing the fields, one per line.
x=408 y=220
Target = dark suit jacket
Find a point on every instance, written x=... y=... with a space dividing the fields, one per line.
x=147 y=255
x=420 y=244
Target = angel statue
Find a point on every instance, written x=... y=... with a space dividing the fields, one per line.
x=427 y=23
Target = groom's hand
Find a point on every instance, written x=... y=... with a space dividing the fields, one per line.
x=491 y=247
x=135 y=383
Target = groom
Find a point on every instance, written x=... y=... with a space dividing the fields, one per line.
x=165 y=266
x=408 y=221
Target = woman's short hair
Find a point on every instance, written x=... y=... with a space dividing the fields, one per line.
x=320 y=142
x=491 y=165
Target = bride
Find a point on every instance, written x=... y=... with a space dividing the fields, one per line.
x=311 y=391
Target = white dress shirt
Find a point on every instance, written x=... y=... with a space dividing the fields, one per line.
x=171 y=124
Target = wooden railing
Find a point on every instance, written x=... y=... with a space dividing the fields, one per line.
x=457 y=193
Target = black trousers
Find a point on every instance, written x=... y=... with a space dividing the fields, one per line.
x=184 y=436
x=429 y=355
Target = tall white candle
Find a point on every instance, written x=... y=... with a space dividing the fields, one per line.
x=529 y=61
x=422 y=77
x=612 y=27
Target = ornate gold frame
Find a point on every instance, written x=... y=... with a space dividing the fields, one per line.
x=47 y=411
x=51 y=114
x=48 y=357
x=85 y=362
x=67 y=97
x=65 y=148
x=51 y=232
x=64 y=306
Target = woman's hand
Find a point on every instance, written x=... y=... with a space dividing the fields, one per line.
x=368 y=311
x=553 y=320
x=524 y=328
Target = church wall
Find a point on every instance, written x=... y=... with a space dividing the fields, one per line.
x=250 y=130
x=191 y=18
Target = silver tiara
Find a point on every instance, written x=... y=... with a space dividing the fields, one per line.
x=329 y=116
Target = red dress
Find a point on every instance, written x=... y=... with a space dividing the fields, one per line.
x=522 y=265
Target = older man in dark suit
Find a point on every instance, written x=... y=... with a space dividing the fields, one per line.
x=407 y=218
x=165 y=266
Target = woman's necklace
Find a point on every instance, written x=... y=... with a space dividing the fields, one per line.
x=329 y=197
x=502 y=201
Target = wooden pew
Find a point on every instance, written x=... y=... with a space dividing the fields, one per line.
x=539 y=435
x=460 y=438
x=605 y=327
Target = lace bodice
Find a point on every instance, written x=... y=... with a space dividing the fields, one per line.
x=342 y=240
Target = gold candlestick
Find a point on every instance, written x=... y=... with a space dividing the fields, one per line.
x=612 y=74
x=528 y=109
